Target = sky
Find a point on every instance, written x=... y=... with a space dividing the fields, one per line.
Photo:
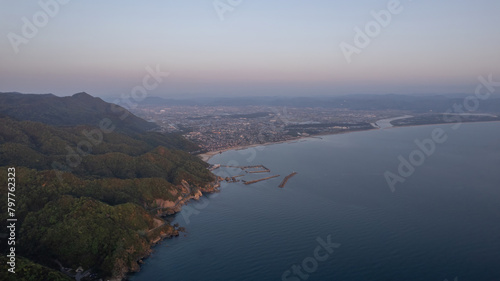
x=246 y=48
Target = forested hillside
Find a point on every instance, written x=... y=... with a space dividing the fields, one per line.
x=77 y=109
x=93 y=198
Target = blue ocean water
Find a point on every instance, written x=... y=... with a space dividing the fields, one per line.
x=442 y=222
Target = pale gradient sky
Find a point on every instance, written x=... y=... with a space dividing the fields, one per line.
x=263 y=47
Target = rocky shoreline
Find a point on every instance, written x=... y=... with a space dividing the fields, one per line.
x=164 y=230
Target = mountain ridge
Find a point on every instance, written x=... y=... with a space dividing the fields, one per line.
x=78 y=109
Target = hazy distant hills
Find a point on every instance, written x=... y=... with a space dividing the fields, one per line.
x=418 y=104
x=79 y=109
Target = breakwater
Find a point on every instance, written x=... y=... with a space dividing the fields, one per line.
x=246 y=167
x=285 y=180
x=263 y=179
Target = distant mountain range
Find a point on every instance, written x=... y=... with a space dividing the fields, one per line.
x=418 y=104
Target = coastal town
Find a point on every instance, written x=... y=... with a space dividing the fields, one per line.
x=219 y=128
x=216 y=128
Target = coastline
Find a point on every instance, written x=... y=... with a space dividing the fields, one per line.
x=207 y=155
x=269 y=188
x=210 y=188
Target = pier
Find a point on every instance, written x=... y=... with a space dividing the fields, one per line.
x=263 y=179
x=285 y=180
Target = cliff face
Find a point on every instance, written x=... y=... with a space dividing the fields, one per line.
x=187 y=192
x=162 y=229
x=124 y=266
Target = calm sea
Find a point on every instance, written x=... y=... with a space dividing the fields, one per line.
x=442 y=222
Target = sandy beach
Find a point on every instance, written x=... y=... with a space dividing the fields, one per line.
x=206 y=156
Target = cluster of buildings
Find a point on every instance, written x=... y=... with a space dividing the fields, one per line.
x=219 y=127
